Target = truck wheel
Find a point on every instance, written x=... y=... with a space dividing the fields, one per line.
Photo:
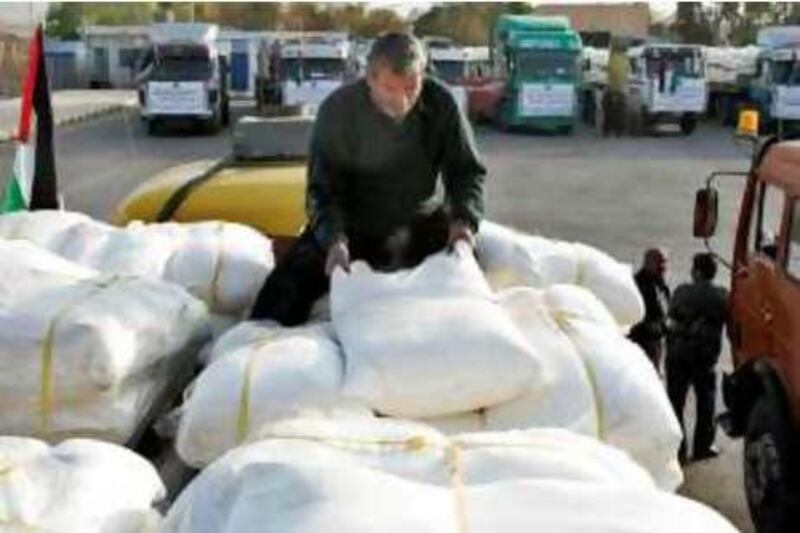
x=636 y=123
x=688 y=124
x=226 y=112
x=153 y=127
x=769 y=478
x=212 y=125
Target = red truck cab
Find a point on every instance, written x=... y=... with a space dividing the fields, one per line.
x=762 y=394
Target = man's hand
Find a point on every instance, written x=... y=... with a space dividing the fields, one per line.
x=338 y=256
x=460 y=230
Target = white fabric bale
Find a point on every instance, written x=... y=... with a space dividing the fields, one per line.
x=244 y=334
x=104 y=330
x=79 y=356
x=635 y=413
x=573 y=301
x=420 y=452
x=29 y=270
x=113 y=250
x=223 y=264
x=570 y=401
x=265 y=374
x=428 y=341
x=603 y=386
x=401 y=478
x=45 y=228
x=612 y=282
x=510 y=258
x=79 y=486
x=89 y=242
x=111 y=415
x=220 y=326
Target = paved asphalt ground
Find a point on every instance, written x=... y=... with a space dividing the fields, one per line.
x=621 y=195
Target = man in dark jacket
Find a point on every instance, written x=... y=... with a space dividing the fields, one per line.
x=650 y=332
x=378 y=148
x=697 y=313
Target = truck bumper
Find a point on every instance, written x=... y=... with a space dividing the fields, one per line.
x=178 y=117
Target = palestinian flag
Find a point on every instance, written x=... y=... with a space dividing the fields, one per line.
x=33 y=184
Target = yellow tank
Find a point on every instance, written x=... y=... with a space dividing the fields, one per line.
x=267 y=195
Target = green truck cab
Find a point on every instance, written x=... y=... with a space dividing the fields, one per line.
x=538 y=60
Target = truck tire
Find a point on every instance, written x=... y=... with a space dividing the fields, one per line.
x=226 y=112
x=212 y=125
x=770 y=478
x=688 y=124
x=153 y=127
x=636 y=123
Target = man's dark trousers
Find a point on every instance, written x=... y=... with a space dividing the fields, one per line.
x=683 y=371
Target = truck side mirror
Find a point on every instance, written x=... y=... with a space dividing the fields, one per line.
x=706 y=208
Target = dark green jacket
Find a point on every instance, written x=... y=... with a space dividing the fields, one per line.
x=368 y=175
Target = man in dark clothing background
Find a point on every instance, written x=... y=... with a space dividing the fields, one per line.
x=650 y=332
x=378 y=148
x=697 y=313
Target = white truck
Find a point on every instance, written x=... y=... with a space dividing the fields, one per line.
x=183 y=77
x=775 y=89
x=302 y=70
x=667 y=85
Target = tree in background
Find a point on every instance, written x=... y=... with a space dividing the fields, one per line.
x=466 y=23
x=692 y=23
x=64 y=20
x=729 y=23
x=240 y=15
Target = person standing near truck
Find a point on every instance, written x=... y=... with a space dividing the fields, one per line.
x=378 y=148
x=614 y=101
x=697 y=314
x=650 y=332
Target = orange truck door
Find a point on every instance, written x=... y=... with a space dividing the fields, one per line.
x=753 y=308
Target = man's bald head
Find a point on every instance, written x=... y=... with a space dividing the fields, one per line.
x=655 y=261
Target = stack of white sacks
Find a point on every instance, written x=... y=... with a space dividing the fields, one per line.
x=78 y=486
x=360 y=476
x=529 y=338
x=220 y=263
x=93 y=320
x=85 y=354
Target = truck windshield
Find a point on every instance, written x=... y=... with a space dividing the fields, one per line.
x=786 y=73
x=546 y=65
x=310 y=68
x=182 y=63
x=450 y=71
x=683 y=63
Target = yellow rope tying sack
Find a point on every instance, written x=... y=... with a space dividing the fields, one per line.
x=46 y=385
x=243 y=416
x=456 y=477
x=216 y=271
x=562 y=319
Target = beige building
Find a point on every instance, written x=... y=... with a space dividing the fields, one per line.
x=624 y=19
x=13 y=58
